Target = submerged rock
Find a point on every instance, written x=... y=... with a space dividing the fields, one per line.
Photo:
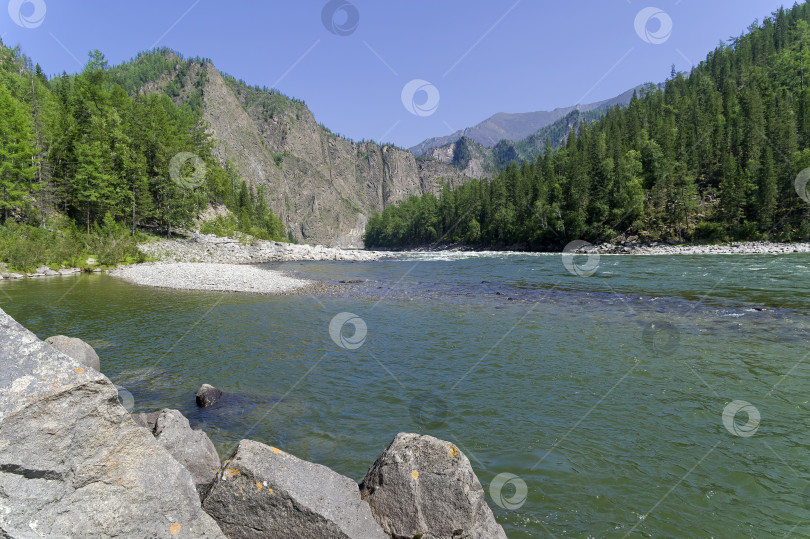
x=77 y=349
x=207 y=396
x=265 y=492
x=72 y=461
x=423 y=486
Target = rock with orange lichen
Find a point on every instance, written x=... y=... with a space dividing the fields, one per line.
x=72 y=461
x=265 y=492
x=426 y=487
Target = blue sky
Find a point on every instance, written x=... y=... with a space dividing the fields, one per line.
x=350 y=61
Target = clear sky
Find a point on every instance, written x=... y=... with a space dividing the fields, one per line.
x=351 y=61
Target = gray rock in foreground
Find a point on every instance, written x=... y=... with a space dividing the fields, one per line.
x=265 y=492
x=77 y=349
x=146 y=420
x=424 y=486
x=191 y=448
x=72 y=461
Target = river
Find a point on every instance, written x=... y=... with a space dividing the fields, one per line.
x=662 y=396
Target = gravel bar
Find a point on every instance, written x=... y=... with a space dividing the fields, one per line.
x=212 y=277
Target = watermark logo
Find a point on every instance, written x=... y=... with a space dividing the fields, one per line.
x=187 y=170
x=801 y=184
x=354 y=341
x=420 y=97
x=744 y=430
x=340 y=17
x=125 y=398
x=647 y=18
x=110 y=410
x=34 y=12
x=429 y=410
x=572 y=258
x=501 y=499
x=661 y=337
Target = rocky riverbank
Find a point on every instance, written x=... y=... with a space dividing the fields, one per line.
x=637 y=248
x=209 y=248
x=42 y=271
x=75 y=463
x=734 y=248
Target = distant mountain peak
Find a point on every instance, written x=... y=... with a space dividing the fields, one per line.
x=515 y=126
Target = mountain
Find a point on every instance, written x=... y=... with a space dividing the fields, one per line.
x=506 y=126
x=475 y=160
x=719 y=153
x=323 y=187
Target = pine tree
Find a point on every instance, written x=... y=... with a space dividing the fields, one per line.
x=18 y=161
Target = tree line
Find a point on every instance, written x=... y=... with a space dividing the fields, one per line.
x=94 y=148
x=713 y=155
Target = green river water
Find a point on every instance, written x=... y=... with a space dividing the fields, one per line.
x=662 y=396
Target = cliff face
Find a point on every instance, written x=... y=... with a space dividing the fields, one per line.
x=471 y=157
x=323 y=187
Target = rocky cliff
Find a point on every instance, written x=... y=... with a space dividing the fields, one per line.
x=324 y=187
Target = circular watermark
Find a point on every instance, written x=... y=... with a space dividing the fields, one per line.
x=180 y=173
x=661 y=337
x=572 y=258
x=125 y=398
x=516 y=499
x=428 y=97
x=340 y=17
x=354 y=341
x=644 y=21
x=801 y=184
x=429 y=410
x=110 y=409
x=35 y=15
x=744 y=430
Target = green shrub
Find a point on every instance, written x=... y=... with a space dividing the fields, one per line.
x=709 y=231
x=24 y=247
x=747 y=231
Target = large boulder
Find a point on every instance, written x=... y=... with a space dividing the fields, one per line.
x=423 y=486
x=191 y=448
x=147 y=420
x=77 y=349
x=207 y=396
x=72 y=461
x=265 y=492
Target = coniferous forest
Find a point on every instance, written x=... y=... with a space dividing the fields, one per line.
x=712 y=156
x=85 y=162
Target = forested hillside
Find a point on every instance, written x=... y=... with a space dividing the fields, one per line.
x=77 y=152
x=713 y=155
